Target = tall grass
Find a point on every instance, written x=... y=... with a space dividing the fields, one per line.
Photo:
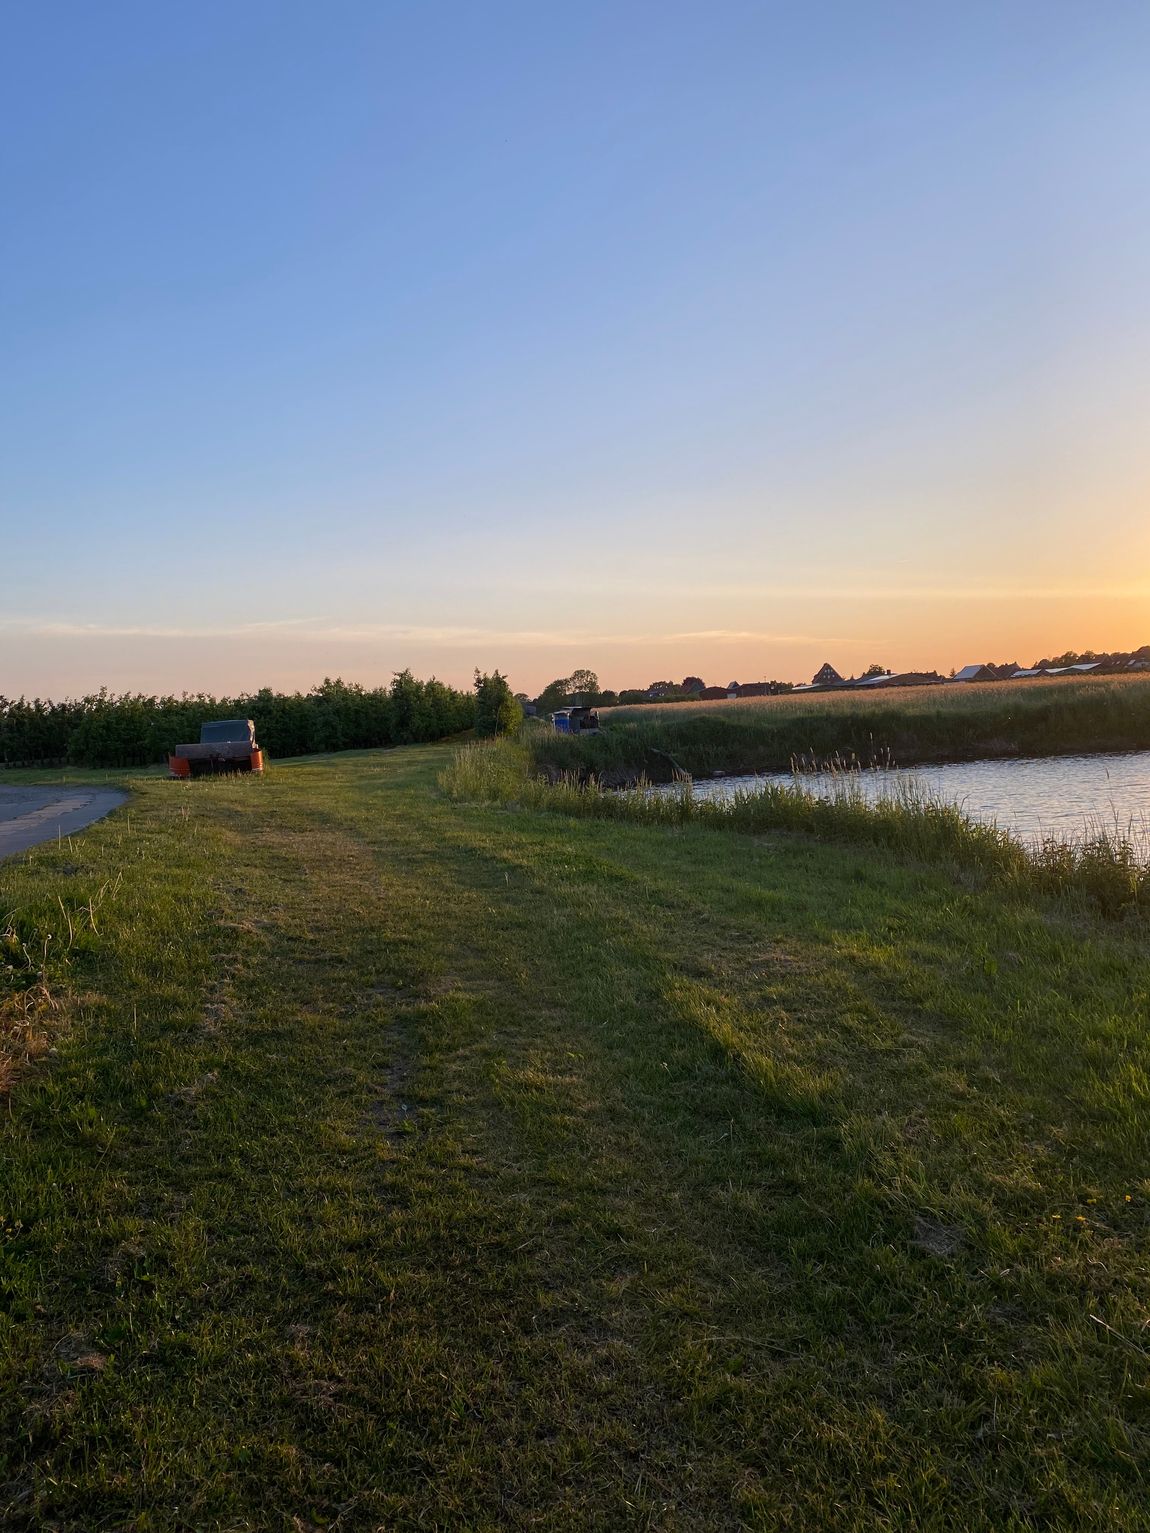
x=1102 y=867
x=904 y=726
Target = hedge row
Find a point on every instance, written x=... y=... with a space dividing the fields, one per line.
x=133 y=730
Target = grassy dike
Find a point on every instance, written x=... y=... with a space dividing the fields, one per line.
x=408 y=1162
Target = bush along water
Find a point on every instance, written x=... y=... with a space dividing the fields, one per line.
x=1102 y=867
x=103 y=730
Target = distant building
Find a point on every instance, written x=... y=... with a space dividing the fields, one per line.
x=826 y=676
x=976 y=673
x=900 y=679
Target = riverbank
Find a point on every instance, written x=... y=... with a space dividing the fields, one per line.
x=410 y=1162
x=900 y=727
x=1101 y=868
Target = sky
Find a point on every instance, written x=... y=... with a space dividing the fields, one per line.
x=659 y=338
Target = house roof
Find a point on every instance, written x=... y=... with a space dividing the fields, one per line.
x=826 y=672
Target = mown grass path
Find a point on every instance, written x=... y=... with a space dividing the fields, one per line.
x=407 y=1164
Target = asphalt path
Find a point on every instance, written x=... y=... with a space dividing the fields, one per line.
x=31 y=815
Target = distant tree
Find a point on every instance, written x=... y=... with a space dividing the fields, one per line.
x=692 y=684
x=875 y=670
x=553 y=695
x=497 y=710
x=582 y=685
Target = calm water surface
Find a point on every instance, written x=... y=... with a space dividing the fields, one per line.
x=1064 y=796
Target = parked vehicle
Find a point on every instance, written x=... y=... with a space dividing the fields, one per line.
x=225 y=745
x=576 y=721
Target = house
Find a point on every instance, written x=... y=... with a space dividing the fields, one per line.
x=712 y=694
x=976 y=673
x=826 y=676
x=916 y=679
x=900 y=679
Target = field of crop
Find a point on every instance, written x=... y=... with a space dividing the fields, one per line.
x=956 y=697
x=378 y=1160
x=899 y=726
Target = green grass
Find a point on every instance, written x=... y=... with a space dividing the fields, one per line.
x=403 y=1162
x=905 y=726
x=1101 y=870
x=93 y=777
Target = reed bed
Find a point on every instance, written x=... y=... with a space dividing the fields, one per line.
x=1101 y=866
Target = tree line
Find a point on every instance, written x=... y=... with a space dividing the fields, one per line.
x=582 y=687
x=104 y=730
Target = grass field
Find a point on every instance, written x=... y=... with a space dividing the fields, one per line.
x=904 y=726
x=392 y=1161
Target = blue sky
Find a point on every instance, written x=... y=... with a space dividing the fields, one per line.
x=718 y=338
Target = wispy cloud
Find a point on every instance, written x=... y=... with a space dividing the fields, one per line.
x=322 y=630
x=911 y=593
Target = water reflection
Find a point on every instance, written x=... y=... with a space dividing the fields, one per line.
x=1063 y=796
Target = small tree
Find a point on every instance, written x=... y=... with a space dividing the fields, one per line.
x=497 y=710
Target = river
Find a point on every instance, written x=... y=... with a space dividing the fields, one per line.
x=1034 y=797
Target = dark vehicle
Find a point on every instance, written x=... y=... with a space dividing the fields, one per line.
x=576 y=721
x=225 y=745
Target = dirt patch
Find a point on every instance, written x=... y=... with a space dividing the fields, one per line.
x=936 y=1238
x=28 y=1021
x=391 y=1113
